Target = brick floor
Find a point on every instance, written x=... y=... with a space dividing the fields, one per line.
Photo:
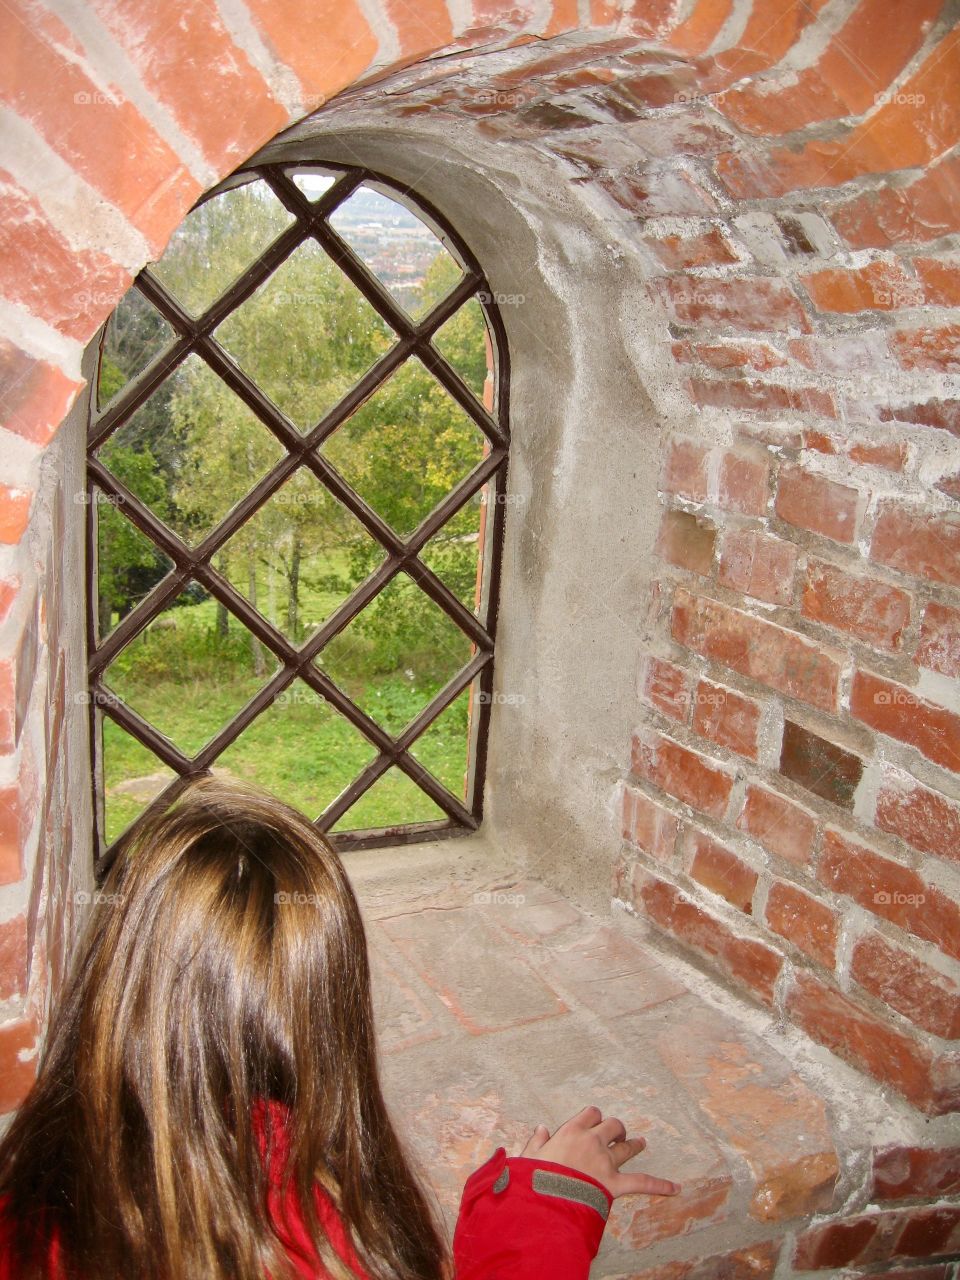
x=501 y=1005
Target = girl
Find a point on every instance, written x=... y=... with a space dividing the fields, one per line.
x=208 y=1105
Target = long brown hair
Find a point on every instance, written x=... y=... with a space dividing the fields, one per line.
x=225 y=963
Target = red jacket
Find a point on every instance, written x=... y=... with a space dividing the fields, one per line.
x=520 y=1219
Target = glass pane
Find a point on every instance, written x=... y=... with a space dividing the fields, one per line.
x=132 y=778
x=393 y=800
x=191 y=670
x=299 y=557
x=312 y=182
x=395 y=655
x=442 y=748
x=136 y=333
x=300 y=749
x=462 y=341
x=129 y=565
x=217 y=242
x=306 y=335
x=401 y=251
x=406 y=447
x=453 y=553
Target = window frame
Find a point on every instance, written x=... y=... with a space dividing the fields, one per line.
x=413 y=340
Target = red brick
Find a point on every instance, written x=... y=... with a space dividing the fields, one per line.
x=14 y=513
x=879 y=286
x=780 y=826
x=811 y=501
x=900 y=713
x=18 y=1064
x=731 y=355
x=749 y=963
x=928 y=1231
x=744 y=483
x=703 y=24
x=863 y=1040
x=9 y=587
x=919 y=212
x=835 y=1244
x=728 y=718
x=891 y=891
x=427 y=26
x=648 y=826
x=935 y=350
x=900 y=1172
x=101 y=135
x=685 y=470
x=207 y=83
x=757 y=565
x=865 y=607
x=892 y=456
x=935 y=412
x=922 y=994
x=758 y=649
x=810 y=925
x=720 y=871
x=744 y=304
x=926 y=819
x=837 y=84
x=950 y=485
x=760 y=397
x=941 y=280
x=11 y=859
x=686 y=541
x=667 y=687
x=939 y=646
x=36 y=394
x=701 y=783
x=677 y=253
x=14 y=960
x=918 y=541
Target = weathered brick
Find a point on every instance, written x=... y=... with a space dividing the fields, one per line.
x=760 y=356
x=686 y=541
x=922 y=994
x=34 y=394
x=917 y=540
x=936 y=412
x=14 y=958
x=918 y=212
x=744 y=304
x=892 y=455
x=865 y=607
x=835 y=1244
x=760 y=397
x=704 y=784
x=18 y=1063
x=749 y=963
x=685 y=469
x=821 y=767
x=706 y=249
x=900 y=1172
x=649 y=826
x=941 y=280
x=863 y=1040
x=900 y=713
x=879 y=286
x=757 y=648
x=811 y=501
x=810 y=925
x=931 y=349
x=727 y=717
x=744 y=481
x=757 y=565
x=720 y=870
x=14 y=513
x=939 y=645
x=890 y=890
x=926 y=819
x=667 y=687
x=780 y=826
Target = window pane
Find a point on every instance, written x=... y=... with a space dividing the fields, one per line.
x=453 y=553
x=306 y=335
x=392 y=801
x=190 y=670
x=129 y=565
x=217 y=242
x=442 y=747
x=136 y=334
x=401 y=251
x=301 y=749
x=406 y=447
x=132 y=778
x=313 y=183
x=462 y=341
x=299 y=557
x=396 y=655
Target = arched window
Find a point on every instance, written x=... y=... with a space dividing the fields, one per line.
x=296 y=471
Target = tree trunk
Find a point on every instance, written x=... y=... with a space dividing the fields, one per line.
x=256 y=648
x=293 y=578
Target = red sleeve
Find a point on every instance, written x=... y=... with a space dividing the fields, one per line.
x=528 y=1219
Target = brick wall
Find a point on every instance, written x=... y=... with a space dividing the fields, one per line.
x=788 y=173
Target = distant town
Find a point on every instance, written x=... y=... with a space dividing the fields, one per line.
x=391 y=240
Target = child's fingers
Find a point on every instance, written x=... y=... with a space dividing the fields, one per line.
x=622 y=1151
x=630 y=1184
x=610 y=1130
x=539 y=1138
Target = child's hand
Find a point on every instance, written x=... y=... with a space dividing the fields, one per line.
x=592 y=1145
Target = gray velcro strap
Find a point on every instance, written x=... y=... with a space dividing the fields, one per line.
x=549 y=1183
x=501 y=1182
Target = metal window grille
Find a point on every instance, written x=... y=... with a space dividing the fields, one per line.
x=194 y=335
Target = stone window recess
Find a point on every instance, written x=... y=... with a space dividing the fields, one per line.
x=276 y=455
